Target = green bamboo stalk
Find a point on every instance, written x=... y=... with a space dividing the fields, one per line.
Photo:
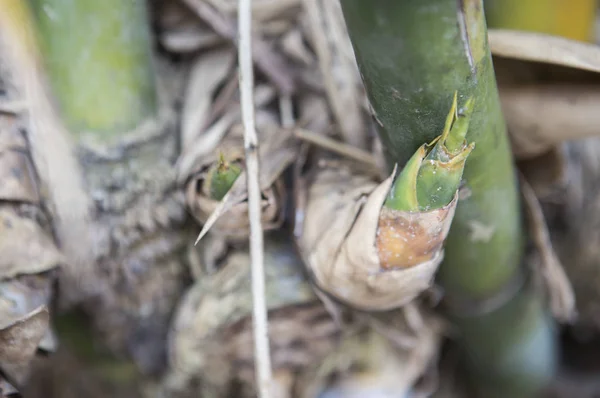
x=98 y=57
x=413 y=55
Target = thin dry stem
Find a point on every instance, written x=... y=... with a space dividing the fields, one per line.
x=346 y=150
x=259 y=309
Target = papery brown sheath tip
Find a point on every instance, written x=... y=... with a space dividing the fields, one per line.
x=406 y=239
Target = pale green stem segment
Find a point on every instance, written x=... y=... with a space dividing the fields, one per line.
x=98 y=56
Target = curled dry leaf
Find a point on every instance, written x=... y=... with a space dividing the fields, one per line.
x=19 y=342
x=211 y=338
x=341 y=220
x=180 y=31
x=28 y=254
x=25 y=246
x=271 y=63
x=545 y=88
x=544 y=48
x=340 y=74
x=207 y=72
x=541 y=116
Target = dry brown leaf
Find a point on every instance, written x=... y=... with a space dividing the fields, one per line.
x=340 y=74
x=17 y=174
x=339 y=211
x=211 y=338
x=191 y=158
x=292 y=44
x=26 y=248
x=20 y=296
x=188 y=39
x=271 y=63
x=180 y=31
x=19 y=342
x=544 y=48
x=542 y=116
x=207 y=72
x=557 y=285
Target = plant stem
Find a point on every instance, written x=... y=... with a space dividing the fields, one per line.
x=98 y=57
x=262 y=354
x=413 y=55
x=411 y=71
x=573 y=19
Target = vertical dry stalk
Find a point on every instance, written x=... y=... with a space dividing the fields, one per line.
x=259 y=309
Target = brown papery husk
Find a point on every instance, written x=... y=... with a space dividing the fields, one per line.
x=407 y=239
x=548 y=87
x=340 y=211
x=28 y=261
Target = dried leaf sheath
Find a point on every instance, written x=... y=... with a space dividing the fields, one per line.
x=29 y=256
x=211 y=339
x=378 y=247
x=341 y=209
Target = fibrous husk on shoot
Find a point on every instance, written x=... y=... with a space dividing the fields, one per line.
x=377 y=246
x=28 y=261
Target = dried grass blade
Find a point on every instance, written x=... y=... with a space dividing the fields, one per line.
x=264 y=374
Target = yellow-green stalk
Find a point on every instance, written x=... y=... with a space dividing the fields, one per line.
x=573 y=19
x=99 y=60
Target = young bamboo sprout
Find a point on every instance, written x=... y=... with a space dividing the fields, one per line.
x=211 y=177
x=220 y=178
x=431 y=177
x=409 y=233
x=407 y=220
